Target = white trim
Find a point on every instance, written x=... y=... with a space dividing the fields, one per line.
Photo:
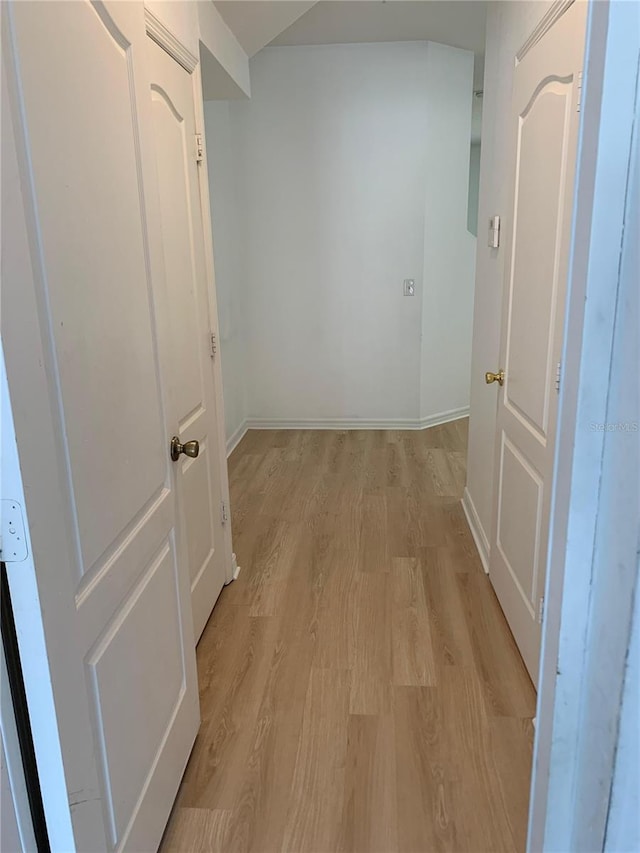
x=556 y=11
x=476 y=528
x=562 y=793
x=443 y=418
x=236 y=437
x=163 y=36
x=357 y=423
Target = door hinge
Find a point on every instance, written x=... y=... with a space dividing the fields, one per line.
x=579 y=92
x=541 y=610
x=199 y=148
x=558 y=374
x=223 y=512
x=213 y=344
x=13 y=539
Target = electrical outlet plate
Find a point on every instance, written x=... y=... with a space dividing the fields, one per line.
x=13 y=542
x=409 y=287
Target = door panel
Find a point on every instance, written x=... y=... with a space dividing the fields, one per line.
x=181 y=261
x=127 y=748
x=190 y=325
x=519 y=509
x=537 y=230
x=119 y=627
x=545 y=126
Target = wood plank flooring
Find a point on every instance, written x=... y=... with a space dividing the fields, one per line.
x=360 y=689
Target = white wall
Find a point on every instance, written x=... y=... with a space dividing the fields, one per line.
x=449 y=248
x=508 y=25
x=333 y=145
x=228 y=257
x=474 y=189
x=343 y=157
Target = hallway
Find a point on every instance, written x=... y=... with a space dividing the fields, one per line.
x=360 y=689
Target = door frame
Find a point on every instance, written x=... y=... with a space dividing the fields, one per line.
x=216 y=365
x=569 y=660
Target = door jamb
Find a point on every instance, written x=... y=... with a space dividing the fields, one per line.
x=601 y=179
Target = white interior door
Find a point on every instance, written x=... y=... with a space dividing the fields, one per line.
x=191 y=325
x=545 y=125
x=86 y=356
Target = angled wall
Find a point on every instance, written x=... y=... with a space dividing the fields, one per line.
x=350 y=172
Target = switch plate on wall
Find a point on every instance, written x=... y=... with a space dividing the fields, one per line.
x=409 y=287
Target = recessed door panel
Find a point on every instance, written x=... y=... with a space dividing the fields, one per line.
x=519 y=517
x=177 y=152
x=537 y=218
x=141 y=649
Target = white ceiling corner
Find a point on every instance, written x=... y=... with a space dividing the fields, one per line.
x=255 y=23
x=459 y=23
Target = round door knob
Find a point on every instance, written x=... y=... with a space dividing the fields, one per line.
x=494 y=377
x=189 y=448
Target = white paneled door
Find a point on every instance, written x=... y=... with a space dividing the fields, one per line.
x=91 y=340
x=190 y=326
x=545 y=116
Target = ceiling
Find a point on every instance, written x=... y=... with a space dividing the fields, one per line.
x=459 y=23
x=256 y=23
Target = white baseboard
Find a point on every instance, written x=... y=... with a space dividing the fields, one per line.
x=476 y=528
x=358 y=423
x=236 y=437
x=443 y=418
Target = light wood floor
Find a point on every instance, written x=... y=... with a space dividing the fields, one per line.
x=360 y=688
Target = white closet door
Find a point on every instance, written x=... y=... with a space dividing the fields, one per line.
x=191 y=324
x=545 y=130
x=87 y=354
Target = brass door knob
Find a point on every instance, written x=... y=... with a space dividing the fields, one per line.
x=189 y=448
x=494 y=377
